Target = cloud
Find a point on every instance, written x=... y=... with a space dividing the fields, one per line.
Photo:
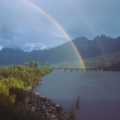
x=1 y=47
x=33 y=46
x=85 y=17
x=22 y=23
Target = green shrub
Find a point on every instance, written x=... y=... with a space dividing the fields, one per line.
x=20 y=76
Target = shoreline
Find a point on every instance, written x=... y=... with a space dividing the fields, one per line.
x=40 y=107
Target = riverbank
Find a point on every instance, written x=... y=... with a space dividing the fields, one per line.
x=18 y=101
x=32 y=106
x=98 y=91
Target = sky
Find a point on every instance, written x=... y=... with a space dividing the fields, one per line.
x=24 y=23
x=85 y=17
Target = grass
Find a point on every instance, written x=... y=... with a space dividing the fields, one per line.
x=19 y=76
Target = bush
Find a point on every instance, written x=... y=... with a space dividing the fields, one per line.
x=21 y=77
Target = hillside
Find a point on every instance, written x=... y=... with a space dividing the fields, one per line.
x=60 y=55
x=99 y=46
x=102 y=47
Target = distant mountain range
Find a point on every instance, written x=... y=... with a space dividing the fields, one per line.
x=64 y=54
x=101 y=46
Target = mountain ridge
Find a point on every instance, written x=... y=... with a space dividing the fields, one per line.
x=64 y=54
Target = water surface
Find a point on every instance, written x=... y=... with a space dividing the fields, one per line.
x=99 y=92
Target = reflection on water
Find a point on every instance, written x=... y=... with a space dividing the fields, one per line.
x=98 y=91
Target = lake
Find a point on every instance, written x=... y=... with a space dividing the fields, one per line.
x=99 y=92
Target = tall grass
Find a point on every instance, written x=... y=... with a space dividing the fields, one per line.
x=19 y=76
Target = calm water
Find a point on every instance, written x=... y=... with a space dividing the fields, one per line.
x=99 y=92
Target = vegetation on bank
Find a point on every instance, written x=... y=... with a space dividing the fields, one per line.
x=21 y=77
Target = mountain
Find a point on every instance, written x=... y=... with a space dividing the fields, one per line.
x=99 y=46
x=60 y=55
x=91 y=50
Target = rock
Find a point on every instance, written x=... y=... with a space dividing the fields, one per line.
x=53 y=117
x=33 y=108
x=40 y=107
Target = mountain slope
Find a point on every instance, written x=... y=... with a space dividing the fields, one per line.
x=60 y=55
x=64 y=54
x=100 y=46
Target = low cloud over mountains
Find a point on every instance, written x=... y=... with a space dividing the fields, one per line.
x=22 y=24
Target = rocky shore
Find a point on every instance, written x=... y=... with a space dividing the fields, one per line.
x=36 y=107
x=17 y=99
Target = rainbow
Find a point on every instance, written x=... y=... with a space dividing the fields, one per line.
x=61 y=29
